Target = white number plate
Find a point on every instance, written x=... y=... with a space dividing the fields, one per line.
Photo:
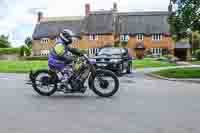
x=101 y=64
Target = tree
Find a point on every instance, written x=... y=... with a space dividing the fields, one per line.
x=195 y=41
x=187 y=16
x=29 y=42
x=4 y=43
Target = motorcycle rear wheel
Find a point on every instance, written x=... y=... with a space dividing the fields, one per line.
x=45 y=83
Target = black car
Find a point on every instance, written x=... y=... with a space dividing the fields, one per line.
x=114 y=59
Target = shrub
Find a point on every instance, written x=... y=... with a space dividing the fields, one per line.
x=22 y=49
x=9 y=50
x=169 y=56
x=36 y=58
x=197 y=54
x=166 y=51
x=27 y=51
x=116 y=43
x=124 y=43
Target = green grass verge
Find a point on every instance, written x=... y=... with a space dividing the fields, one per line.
x=21 y=66
x=195 y=62
x=148 y=62
x=180 y=73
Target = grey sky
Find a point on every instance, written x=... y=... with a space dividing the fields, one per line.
x=18 y=17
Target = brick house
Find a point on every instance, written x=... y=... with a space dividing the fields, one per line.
x=47 y=29
x=141 y=30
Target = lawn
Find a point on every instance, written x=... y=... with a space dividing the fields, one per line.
x=21 y=66
x=180 y=73
x=149 y=62
x=195 y=62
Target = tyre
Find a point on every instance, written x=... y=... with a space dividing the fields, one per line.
x=129 y=69
x=99 y=83
x=120 y=70
x=42 y=84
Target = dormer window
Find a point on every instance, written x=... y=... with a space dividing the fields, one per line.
x=124 y=38
x=93 y=37
x=140 y=37
x=45 y=40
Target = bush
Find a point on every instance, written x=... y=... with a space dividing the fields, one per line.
x=197 y=54
x=124 y=43
x=35 y=58
x=169 y=56
x=28 y=51
x=22 y=49
x=162 y=58
x=9 y=50
x=166 y=52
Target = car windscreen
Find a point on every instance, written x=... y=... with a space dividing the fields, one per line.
x=110 y=51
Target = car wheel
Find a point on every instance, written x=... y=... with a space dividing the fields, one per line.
x=129 y=69
x=120 y=70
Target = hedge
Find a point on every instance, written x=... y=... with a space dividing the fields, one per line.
x=35 y=58
x=9 y=50
x=197 y=54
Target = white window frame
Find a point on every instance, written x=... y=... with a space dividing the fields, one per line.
x=44 y=40
x=157 y=37
x=124 y=38
x=93 y=51
x=44 y=52
x=156 y=51
x=93 y=37
x=140 y=37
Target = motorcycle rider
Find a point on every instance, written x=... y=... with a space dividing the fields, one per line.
x=59 y=55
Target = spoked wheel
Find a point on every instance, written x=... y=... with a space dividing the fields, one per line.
x=43 y=83
x=105 y=83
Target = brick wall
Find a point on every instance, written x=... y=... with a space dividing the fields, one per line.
x=166 y=42
x=101 y=41
x=38 y=46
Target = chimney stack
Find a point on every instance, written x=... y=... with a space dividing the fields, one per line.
x=40 y=16
x=115 y=6
x=87 y=9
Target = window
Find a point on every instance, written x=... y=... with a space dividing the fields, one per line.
x=92 y=51
x=44 y=40
x=93 y=37
x=156 y=51
x=140 y=37
x=156 y=37
x=44 y=52
x=124 y=38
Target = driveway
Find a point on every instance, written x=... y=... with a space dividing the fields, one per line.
x=143 y=105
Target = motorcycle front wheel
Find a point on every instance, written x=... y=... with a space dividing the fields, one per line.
x=104 y=83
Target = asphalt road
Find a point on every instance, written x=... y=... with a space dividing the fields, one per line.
x=143 y=105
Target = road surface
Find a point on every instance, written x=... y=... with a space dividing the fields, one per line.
x=143 y=105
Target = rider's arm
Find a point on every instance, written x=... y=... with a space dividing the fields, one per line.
x=74 y=51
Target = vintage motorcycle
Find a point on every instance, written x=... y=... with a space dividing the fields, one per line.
x=104 y=83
